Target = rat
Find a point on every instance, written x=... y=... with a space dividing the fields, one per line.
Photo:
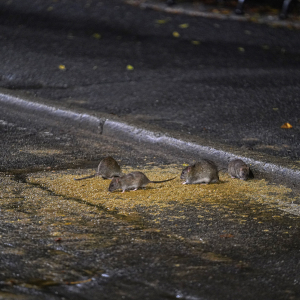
x=238 y=169
x=204 y=171
x=107 y=168
x=134 y=180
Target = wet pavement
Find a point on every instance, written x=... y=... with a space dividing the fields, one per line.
x=67 y=239
x=222 y=80
x=155 y=91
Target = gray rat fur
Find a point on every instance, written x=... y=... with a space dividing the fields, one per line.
x=238 y=169
x=134 y=180
x=204 y=171
x=107 y=168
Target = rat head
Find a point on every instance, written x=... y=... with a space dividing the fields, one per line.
x=244 y=172
x=185 y=172
x=115 y=184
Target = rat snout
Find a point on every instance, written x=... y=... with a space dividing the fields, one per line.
x=183 y=174
x=110 y=188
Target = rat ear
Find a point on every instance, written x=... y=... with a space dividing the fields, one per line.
x=189 y=169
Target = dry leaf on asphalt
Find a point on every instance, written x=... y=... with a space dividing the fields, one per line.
x=286 y=126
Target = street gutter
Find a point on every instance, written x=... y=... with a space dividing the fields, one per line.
x=270 y=168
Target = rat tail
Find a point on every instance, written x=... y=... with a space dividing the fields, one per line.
x=90 y=176
x=163 y=180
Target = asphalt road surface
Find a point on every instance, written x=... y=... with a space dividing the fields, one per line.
x=225 y=83
x=228 y=81
x=67 y=239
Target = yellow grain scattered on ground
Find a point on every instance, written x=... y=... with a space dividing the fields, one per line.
x=43 y=152
x=229 y=197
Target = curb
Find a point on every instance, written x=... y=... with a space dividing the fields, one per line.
x=124 y=131
x=180 y=9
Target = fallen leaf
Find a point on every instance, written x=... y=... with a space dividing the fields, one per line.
x=58 y=240
x=195 y=42
x=241 y=49
x=176 y=34
x=96 y=35
x=286 y=126
x=129 y=67
x=62 y=67
x=161 y=21
x=226 y=235
x=185 y=25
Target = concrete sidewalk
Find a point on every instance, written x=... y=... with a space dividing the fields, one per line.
x=263 y=14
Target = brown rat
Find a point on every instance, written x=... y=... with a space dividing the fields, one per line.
x=204 y=171
x=238 y=169
x=107 y=168
x=134 y=180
